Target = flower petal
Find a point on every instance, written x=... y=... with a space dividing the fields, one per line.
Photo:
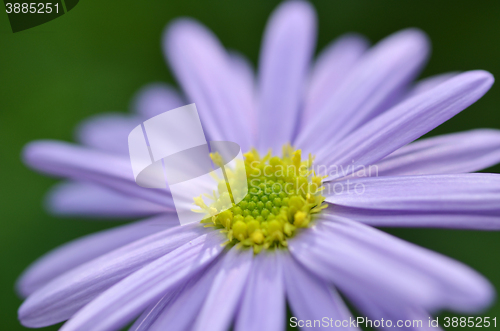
x=468 y=220
x=378 y=78
x=107 y=132
x=429 y=83
x=155 y=99
x=407 y=121
x=207 y=76
x=361 y=259
x=66 y=294
x=287 y=47
x=330 y=70
x=121 y=303
x=311 y=298
x=394 y=316
x=263 y=303
x=447 y=154
x=88 y=200
x=222 y=300
x=79 y=251
x=245 y=78
x=462 y=192
x=183 y=310
x=83 y=164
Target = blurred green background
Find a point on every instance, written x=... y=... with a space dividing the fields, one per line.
x=94 y=58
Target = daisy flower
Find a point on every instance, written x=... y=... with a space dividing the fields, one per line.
x=351 y=116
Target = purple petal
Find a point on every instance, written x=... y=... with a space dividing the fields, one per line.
x=149 y=316
x=222 y=300
x=447 y=154
x=263 y=304
x=469 y=220
x=183 y=310
x=207 y=76
x=311 y=298
x=330 y=70
x=84 y=249
x=107 y=132
x=66 y=294
x=284 y=61
x=155 y=99
x=120 y=304
x=429 y=83
x=87 y=200
x=244 y=78
x=378 y=78
x=83 y=164
x=365 y=261
x=403 y=312
x=407 y=121
x=462 y=192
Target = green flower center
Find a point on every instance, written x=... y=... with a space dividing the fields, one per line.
x=283 y=196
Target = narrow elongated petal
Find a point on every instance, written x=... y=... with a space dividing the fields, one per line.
x=330 y=70
x=155 y=99
x=118 y=305
x=84 y=164
x=468 y=220
x=79 y=251
x=66 y=294
x=311 y=298
x=287 y=48
x=149 y=316
x=224 y=296
x=206 y=73
x=361 y=259
x=263 y=303
x=245 y=78
x=407 y=121
x=87 y=200
x=403 y=315
x=429 y=83
x=460 y=192
x=380 y=76
x=448 y=154
x=183 y=310
x=107 y=132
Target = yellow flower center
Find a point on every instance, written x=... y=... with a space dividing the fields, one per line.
x=283 y=196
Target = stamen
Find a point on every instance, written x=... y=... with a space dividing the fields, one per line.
x=283 y=197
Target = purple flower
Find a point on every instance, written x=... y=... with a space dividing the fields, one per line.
x=355 y=109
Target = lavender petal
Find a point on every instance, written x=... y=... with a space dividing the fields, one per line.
x=360 y=259
x=479 y=192
x=263 y=303
x=380 y=76
x=454 y=153
x=155 y=99
x=87 y=200
x=107 y=132
x=310 y=297
x=118 y=305
x=330 y=69
x=66 y=294
x=82 y=250
x=84 y=164
x=207 y=76
x=407 y=121
x=183 y=310
x=286 y=52
x=224 y=295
